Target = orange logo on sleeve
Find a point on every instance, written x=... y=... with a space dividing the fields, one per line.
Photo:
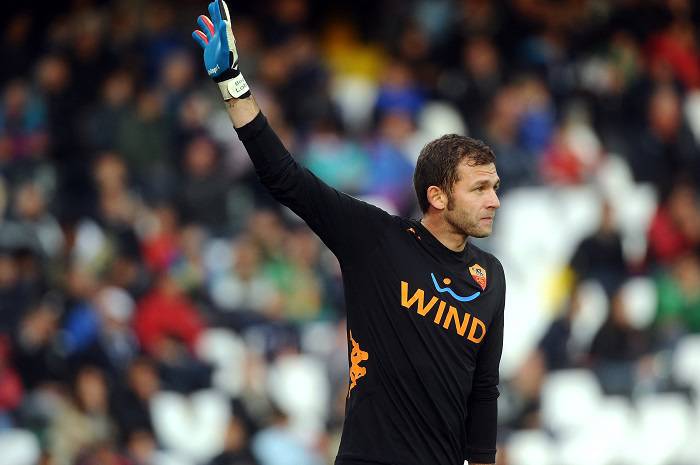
x=357 y=356
x=479 y=275
x=413 y=231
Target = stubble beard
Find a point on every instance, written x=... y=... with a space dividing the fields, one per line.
x=460 y=222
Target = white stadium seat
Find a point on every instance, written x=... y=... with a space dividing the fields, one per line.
x=686 y=362
x=663 y=427
x=226 y=351
x=530 y=447
x=602 y=441
x=298 y=384
x=570 y=400
x=592 y=314
x=193 y=426
x=18 y=447
x=639 y=298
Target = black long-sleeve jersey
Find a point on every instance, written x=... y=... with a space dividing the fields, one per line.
x=425 y=323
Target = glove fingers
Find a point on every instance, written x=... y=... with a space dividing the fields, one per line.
x=224 y=10
x=214 y=12
x=206 y=25
x=200 y=38
x=222 y=35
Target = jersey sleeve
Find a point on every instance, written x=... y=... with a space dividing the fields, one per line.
x=345 y=224
x=482 y=405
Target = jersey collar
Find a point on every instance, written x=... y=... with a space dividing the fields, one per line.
x=462 y=256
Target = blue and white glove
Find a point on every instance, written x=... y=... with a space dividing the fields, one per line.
x=220 y=55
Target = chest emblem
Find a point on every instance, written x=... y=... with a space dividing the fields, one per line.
x=479 y=275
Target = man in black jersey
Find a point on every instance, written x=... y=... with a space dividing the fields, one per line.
x=424 y=306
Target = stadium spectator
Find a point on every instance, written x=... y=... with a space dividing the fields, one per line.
x=675 y=227
x=679 y=297
x=600 y=256
x=244 y=287
x=204 y=187
x=83 y=420
x=237 y=450
x=11 y=389
x=666 y=148
x=618 y=349
x=164 y=313
x=131 y=401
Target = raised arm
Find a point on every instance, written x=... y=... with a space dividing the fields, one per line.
x=221 y=62
x=333 y=215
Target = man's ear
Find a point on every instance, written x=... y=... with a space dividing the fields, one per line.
x=437 y=197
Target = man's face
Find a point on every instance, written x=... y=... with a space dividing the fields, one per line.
x=473 y=201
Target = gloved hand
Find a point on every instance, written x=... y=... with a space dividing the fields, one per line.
x=220 y=55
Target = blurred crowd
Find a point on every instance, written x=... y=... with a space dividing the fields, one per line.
x=157 y=307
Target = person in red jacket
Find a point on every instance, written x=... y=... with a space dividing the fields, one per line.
x=166 y=313
x=11 y=390
x=675 y=227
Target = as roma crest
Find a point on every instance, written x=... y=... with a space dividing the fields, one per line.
x=479 y=275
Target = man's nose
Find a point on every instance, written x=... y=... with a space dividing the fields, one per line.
x=494 y=202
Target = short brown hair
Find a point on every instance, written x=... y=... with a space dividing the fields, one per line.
x=438 y=161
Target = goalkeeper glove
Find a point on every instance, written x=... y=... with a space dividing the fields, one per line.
x=220 y=55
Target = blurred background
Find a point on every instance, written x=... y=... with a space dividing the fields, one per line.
x=158 y=308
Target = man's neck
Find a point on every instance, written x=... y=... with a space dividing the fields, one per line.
x=445 y=233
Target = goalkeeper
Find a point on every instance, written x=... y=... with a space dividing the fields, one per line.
x=424 y=306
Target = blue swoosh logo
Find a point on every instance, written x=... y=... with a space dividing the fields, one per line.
x=452 y=293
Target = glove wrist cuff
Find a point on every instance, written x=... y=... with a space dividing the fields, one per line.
x=226 y=75
x=232 y=84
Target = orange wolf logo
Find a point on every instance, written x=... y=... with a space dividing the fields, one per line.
x=413 y=231
x=356 y=357
x=479 y=274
